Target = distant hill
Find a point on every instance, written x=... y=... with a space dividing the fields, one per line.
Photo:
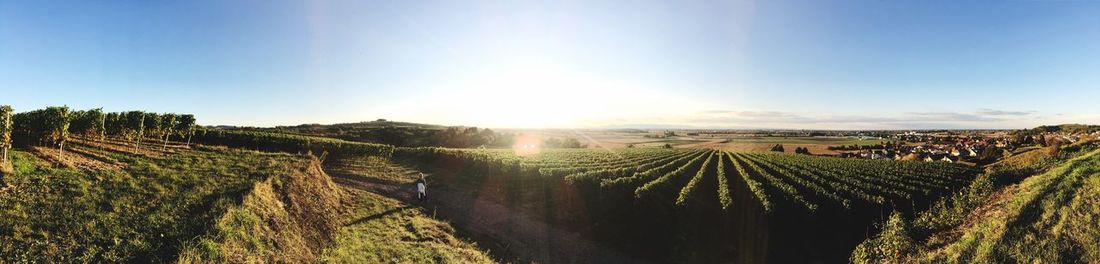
x=380 y=123
x=1067 y=128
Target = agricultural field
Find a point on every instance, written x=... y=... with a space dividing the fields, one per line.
x=756 y=201
x=115 y=187
x=816 y=145
x=1040 y=205
x=89 y=186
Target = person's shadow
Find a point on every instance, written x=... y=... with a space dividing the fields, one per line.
x=380 y=215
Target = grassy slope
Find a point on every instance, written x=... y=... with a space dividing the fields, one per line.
x=1006 y=216
x=141 y=211
x=383 y=230
x=1050 y=218
x=286 y=218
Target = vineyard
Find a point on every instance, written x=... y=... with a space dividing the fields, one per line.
x=666 y=205
x=661 y=202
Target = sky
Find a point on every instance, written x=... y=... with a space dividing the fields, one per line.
x=807 y=64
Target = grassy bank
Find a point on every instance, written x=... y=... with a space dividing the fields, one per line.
x=117 y=206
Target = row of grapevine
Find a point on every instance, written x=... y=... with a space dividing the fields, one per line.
x=774 y=180
x=669 y=179
x=725 y=196
x=645 y=197
x=52 y=126
x=642 y=177
x=595 y=176
x=693 y=185
x=280 y=142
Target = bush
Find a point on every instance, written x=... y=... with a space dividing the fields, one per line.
x=892 y=245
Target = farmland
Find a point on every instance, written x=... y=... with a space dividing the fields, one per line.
x=127 y=189
x=89 y=186
x=754 y=201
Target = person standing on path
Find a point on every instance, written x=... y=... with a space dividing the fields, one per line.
x=421 y=188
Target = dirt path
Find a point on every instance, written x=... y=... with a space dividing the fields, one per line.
x=512 y=236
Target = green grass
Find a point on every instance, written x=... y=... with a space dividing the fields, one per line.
x=140 y=213
x=1051 y=219
x=287 y=218
x=382 y=230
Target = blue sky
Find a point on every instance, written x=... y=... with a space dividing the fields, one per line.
x=728 y=64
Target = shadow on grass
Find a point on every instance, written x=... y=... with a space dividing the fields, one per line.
x=380 y=215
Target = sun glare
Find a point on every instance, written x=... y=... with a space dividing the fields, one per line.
x=527 y=145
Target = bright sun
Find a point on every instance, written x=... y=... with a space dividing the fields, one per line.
x=538 y=94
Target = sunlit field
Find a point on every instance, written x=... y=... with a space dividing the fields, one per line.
x=475 y=131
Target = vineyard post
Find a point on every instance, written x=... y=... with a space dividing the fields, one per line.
x=59 y=123
x=186 y=125
x=100 y=122
x=5 y=131
x=141 y=131
x=168 y=122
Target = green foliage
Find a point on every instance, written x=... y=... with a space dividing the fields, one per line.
x=5 y=126
x=151 y=125
x=133 y=125
x=689 y=191
x=185 y=125
x=725 y=196
x=777 y=148
x=140 y=212
x=289 y=143
x=893 y=245
x=168 y=123
x=400 y=134
x=48 y=126
x=90 y=123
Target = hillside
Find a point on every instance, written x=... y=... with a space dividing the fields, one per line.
x=112 y=201
x=395 y=133
x=1037 y=206
x=109 y=202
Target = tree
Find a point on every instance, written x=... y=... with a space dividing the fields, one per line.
x=552 y=143
x=572 y=143
x=777 y=148
x=802 y=150
x=5 y=131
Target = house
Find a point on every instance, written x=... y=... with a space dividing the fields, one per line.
x=941 y=158
x=964 y=152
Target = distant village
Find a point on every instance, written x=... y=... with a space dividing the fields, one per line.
x=973 y=147
x=949 y=146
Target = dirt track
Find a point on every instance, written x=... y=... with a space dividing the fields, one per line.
x=507 y=235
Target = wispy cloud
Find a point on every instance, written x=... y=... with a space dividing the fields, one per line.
x=992 y=112
x=980 y=118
